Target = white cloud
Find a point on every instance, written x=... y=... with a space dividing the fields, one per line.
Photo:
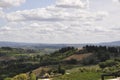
x=2 y=14
x=116 y=1
x=10 y=3
x=72 y=3
x=55 y=14
x=58 y=14
x=65 y=21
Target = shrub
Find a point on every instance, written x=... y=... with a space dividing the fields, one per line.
x=108 y=63
x=72 y=61
x=32 y=76
x=61 y=70
x=20 y=77
x=8 y=79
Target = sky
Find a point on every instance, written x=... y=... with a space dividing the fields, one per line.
x=60 y=21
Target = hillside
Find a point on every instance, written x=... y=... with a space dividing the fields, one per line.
x=78 y=57
x=59 y=61
x=7 y=58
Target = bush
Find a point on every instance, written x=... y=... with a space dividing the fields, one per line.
x=32 y=76
x=61 y=70
x=108 y=63
x=8 y=79
x=72 y=61
x=20 y=77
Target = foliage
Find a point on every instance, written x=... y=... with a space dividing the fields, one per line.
x=20 y=77
x=8 y=79
x=100 y=54
x=61 y=70
x=32 y=76
x=108 y=63
x=72 y=61
x=25 y=60
x=91 y=60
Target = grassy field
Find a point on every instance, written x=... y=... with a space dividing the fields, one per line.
x=80 y=76
x=81 y=73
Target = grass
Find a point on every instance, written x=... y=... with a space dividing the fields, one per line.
x=89 y=73
x=79 y=76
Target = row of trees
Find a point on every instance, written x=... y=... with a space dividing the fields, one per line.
x=92 y=48
x=99 y=54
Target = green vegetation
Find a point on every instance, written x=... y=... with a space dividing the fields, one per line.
x=32 y=76
x=81 y=73
x=23 y=77
x=8 y=79
x=110 y=66
x=79 y=76
x=14 y=61
x=100 y=54
x=20 y=77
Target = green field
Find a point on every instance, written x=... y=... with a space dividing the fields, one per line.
x=81 y=73
x=80 y=76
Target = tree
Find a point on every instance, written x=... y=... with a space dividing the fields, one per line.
x=6 y=48
x=108 y=63
x=72 y=61
x=61 y=70
x=103 y=56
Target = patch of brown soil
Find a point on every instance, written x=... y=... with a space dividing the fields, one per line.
x=78 y=57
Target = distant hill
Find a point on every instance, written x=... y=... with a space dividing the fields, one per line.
x=115 y=43
x=41 y=46
x=15 y=44
x=36 y=45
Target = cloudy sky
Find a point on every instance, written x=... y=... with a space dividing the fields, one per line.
x=60 y=21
